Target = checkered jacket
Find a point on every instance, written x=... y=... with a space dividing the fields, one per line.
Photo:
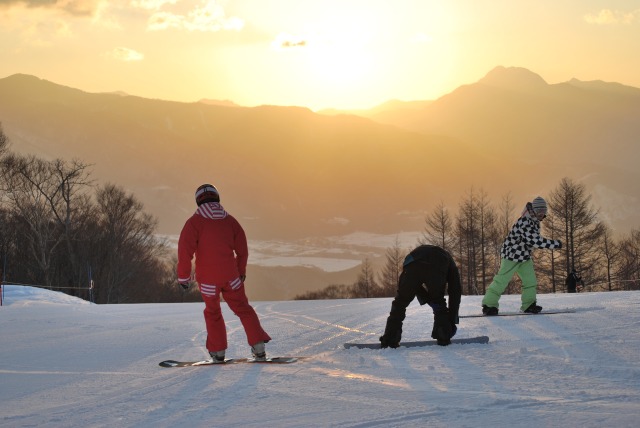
x=523 y=238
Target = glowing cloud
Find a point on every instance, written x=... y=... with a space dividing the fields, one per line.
x=285 y=41
x=73 y=7
x=151 y=4
x=612 y=17
x=124 y=54
x=210 y=16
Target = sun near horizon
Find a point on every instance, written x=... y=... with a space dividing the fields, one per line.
x=318 y=54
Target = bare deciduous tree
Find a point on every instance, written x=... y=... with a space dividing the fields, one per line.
x=391 y=271
x=576 y=224
x=610 y=255
x=487 y=235
x=628 y=266
x=4 y=142
x=27 y=190
x=439 y=228
x=128 y=248
x=366 y=285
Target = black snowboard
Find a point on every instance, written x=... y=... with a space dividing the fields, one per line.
x=513 y=314
x=478 y=339
x=274 y=360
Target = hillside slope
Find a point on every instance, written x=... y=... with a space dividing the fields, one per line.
x=285 y=172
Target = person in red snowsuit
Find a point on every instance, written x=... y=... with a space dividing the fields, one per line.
x=220 y=247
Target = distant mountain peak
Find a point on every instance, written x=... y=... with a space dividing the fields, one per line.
x=513 y=78
x=224 y=103
x=23 y=76
x=600 y=85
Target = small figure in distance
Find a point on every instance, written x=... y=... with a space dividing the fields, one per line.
x=574 y=282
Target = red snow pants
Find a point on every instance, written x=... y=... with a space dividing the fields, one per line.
x=234 y=295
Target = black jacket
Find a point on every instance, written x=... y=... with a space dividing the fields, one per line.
x=440 y=263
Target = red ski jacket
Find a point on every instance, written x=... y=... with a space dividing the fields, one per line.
x=218 y=242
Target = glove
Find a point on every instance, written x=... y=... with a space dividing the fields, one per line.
x=392 y=334
x=390 y=341
x=184 y=285
x=243 y=277
x=559 y=245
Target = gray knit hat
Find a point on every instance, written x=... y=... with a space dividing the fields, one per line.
x=539 y=205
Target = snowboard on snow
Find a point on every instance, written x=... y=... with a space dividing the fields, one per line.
x=513 y=314
x=478 y=339
x=274 y=360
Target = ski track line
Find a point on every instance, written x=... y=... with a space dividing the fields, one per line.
x=343 y=330
x=60 y=372
x=509 y=400
x=99 y=407
x=362 y=377
x=243 y=384
x=397 y=420
x=199 y=339
x=283 y=316
x=597 y=356
x=296 y=320
x=569 y=345
x=337 y=390
x=289 y=316
x=322 y=343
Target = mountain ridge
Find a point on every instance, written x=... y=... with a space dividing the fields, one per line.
x=289 y=172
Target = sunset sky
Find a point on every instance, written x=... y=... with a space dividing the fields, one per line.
x=314 y=53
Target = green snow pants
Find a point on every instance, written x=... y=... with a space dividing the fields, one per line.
x=500 y=282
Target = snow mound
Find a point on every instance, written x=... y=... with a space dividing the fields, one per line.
x=22 y=295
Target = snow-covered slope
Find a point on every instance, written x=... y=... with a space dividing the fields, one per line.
x=66 y=363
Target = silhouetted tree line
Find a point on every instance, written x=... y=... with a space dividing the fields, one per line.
x=59 y=231
x=475 y=235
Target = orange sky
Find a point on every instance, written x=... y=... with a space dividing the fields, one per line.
x=314 y=53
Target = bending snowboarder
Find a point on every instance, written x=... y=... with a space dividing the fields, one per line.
x=426 y=272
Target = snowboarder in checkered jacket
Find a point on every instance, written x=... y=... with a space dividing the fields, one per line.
x=516 y=259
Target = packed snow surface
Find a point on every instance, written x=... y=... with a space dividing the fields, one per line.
x=67 y=363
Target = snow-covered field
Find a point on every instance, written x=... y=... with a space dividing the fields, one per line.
x=65 y=363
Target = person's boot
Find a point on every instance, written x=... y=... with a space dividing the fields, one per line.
x=533 y=309
x=217 y=356
x=258 y=351
x=489 y=311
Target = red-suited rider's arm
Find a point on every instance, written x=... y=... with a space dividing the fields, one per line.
x=241 y=249
x=186 y=248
